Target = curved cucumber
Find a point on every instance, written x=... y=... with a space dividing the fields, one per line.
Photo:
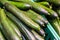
x=44 y=3
x=36 y=16
x=58 y=11
x=56 y=26
x=57 y=2
x=7 y=29
x=20 y=5
x=28 y=35
x=15 y=28
x=20 y=14
x=1 y=36
x=52 y=13
x=40 y=8
x=37 y=36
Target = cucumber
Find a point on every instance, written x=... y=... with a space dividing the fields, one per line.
x=56 y=2
x=52 y=12
x=59 y=22
x=41 y=9
x=56 y=26
x=7 y=29
x=35 y=7
x=23 y=0
x=20 y=24
x=28 y=35
x=0 y=15
x=15 y=28
x=23 y=38
x=58 y=11
x=36 y=16
x=44 y=3
x=1 y=35
x=21 y=5
x=37 y=36
x=3 y=32
x=20 y=14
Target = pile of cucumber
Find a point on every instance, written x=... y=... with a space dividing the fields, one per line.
x=24 y=19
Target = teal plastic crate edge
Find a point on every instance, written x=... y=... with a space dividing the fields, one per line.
x=49 y=26
x=53 y=31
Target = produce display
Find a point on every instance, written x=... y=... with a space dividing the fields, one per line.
x=27 y=20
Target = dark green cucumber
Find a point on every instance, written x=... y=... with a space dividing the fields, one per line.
x=59 y=21
x=3 y=32
x=44 y=3
x=15 y=28
x=20 y=24
x=20 y=14
x=40 y=8
x=23 y=0
x=56 y=26
x=21 y=5
x=57 y=2
x=0 y=15
x=52 y=13
x=37 y=36
x=35 y=7
x=28 y=35
x=36 y=16
x=7 y=29
x=58 y=11
x=1 y=35
x=23 y=38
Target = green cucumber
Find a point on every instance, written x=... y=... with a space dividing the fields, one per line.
x=52 y=12
x=23 y=38
x=20 y=14
x=15 y=28
x=36 y=16
x=20 y=5
x=40 y=8
x=43 y=3
x=56 y=26
x=0 y=15
x=28 y=35
x=7 y=29
x=56 y=2
x=35 y=7
x=1 y=35
x=20 y=24
x=58 y=11
x=37 y=36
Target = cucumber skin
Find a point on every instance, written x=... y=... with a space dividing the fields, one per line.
x=21 y=27
x=22 y=16
x=21 y=5
x=7 y=29
x=17 y=31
